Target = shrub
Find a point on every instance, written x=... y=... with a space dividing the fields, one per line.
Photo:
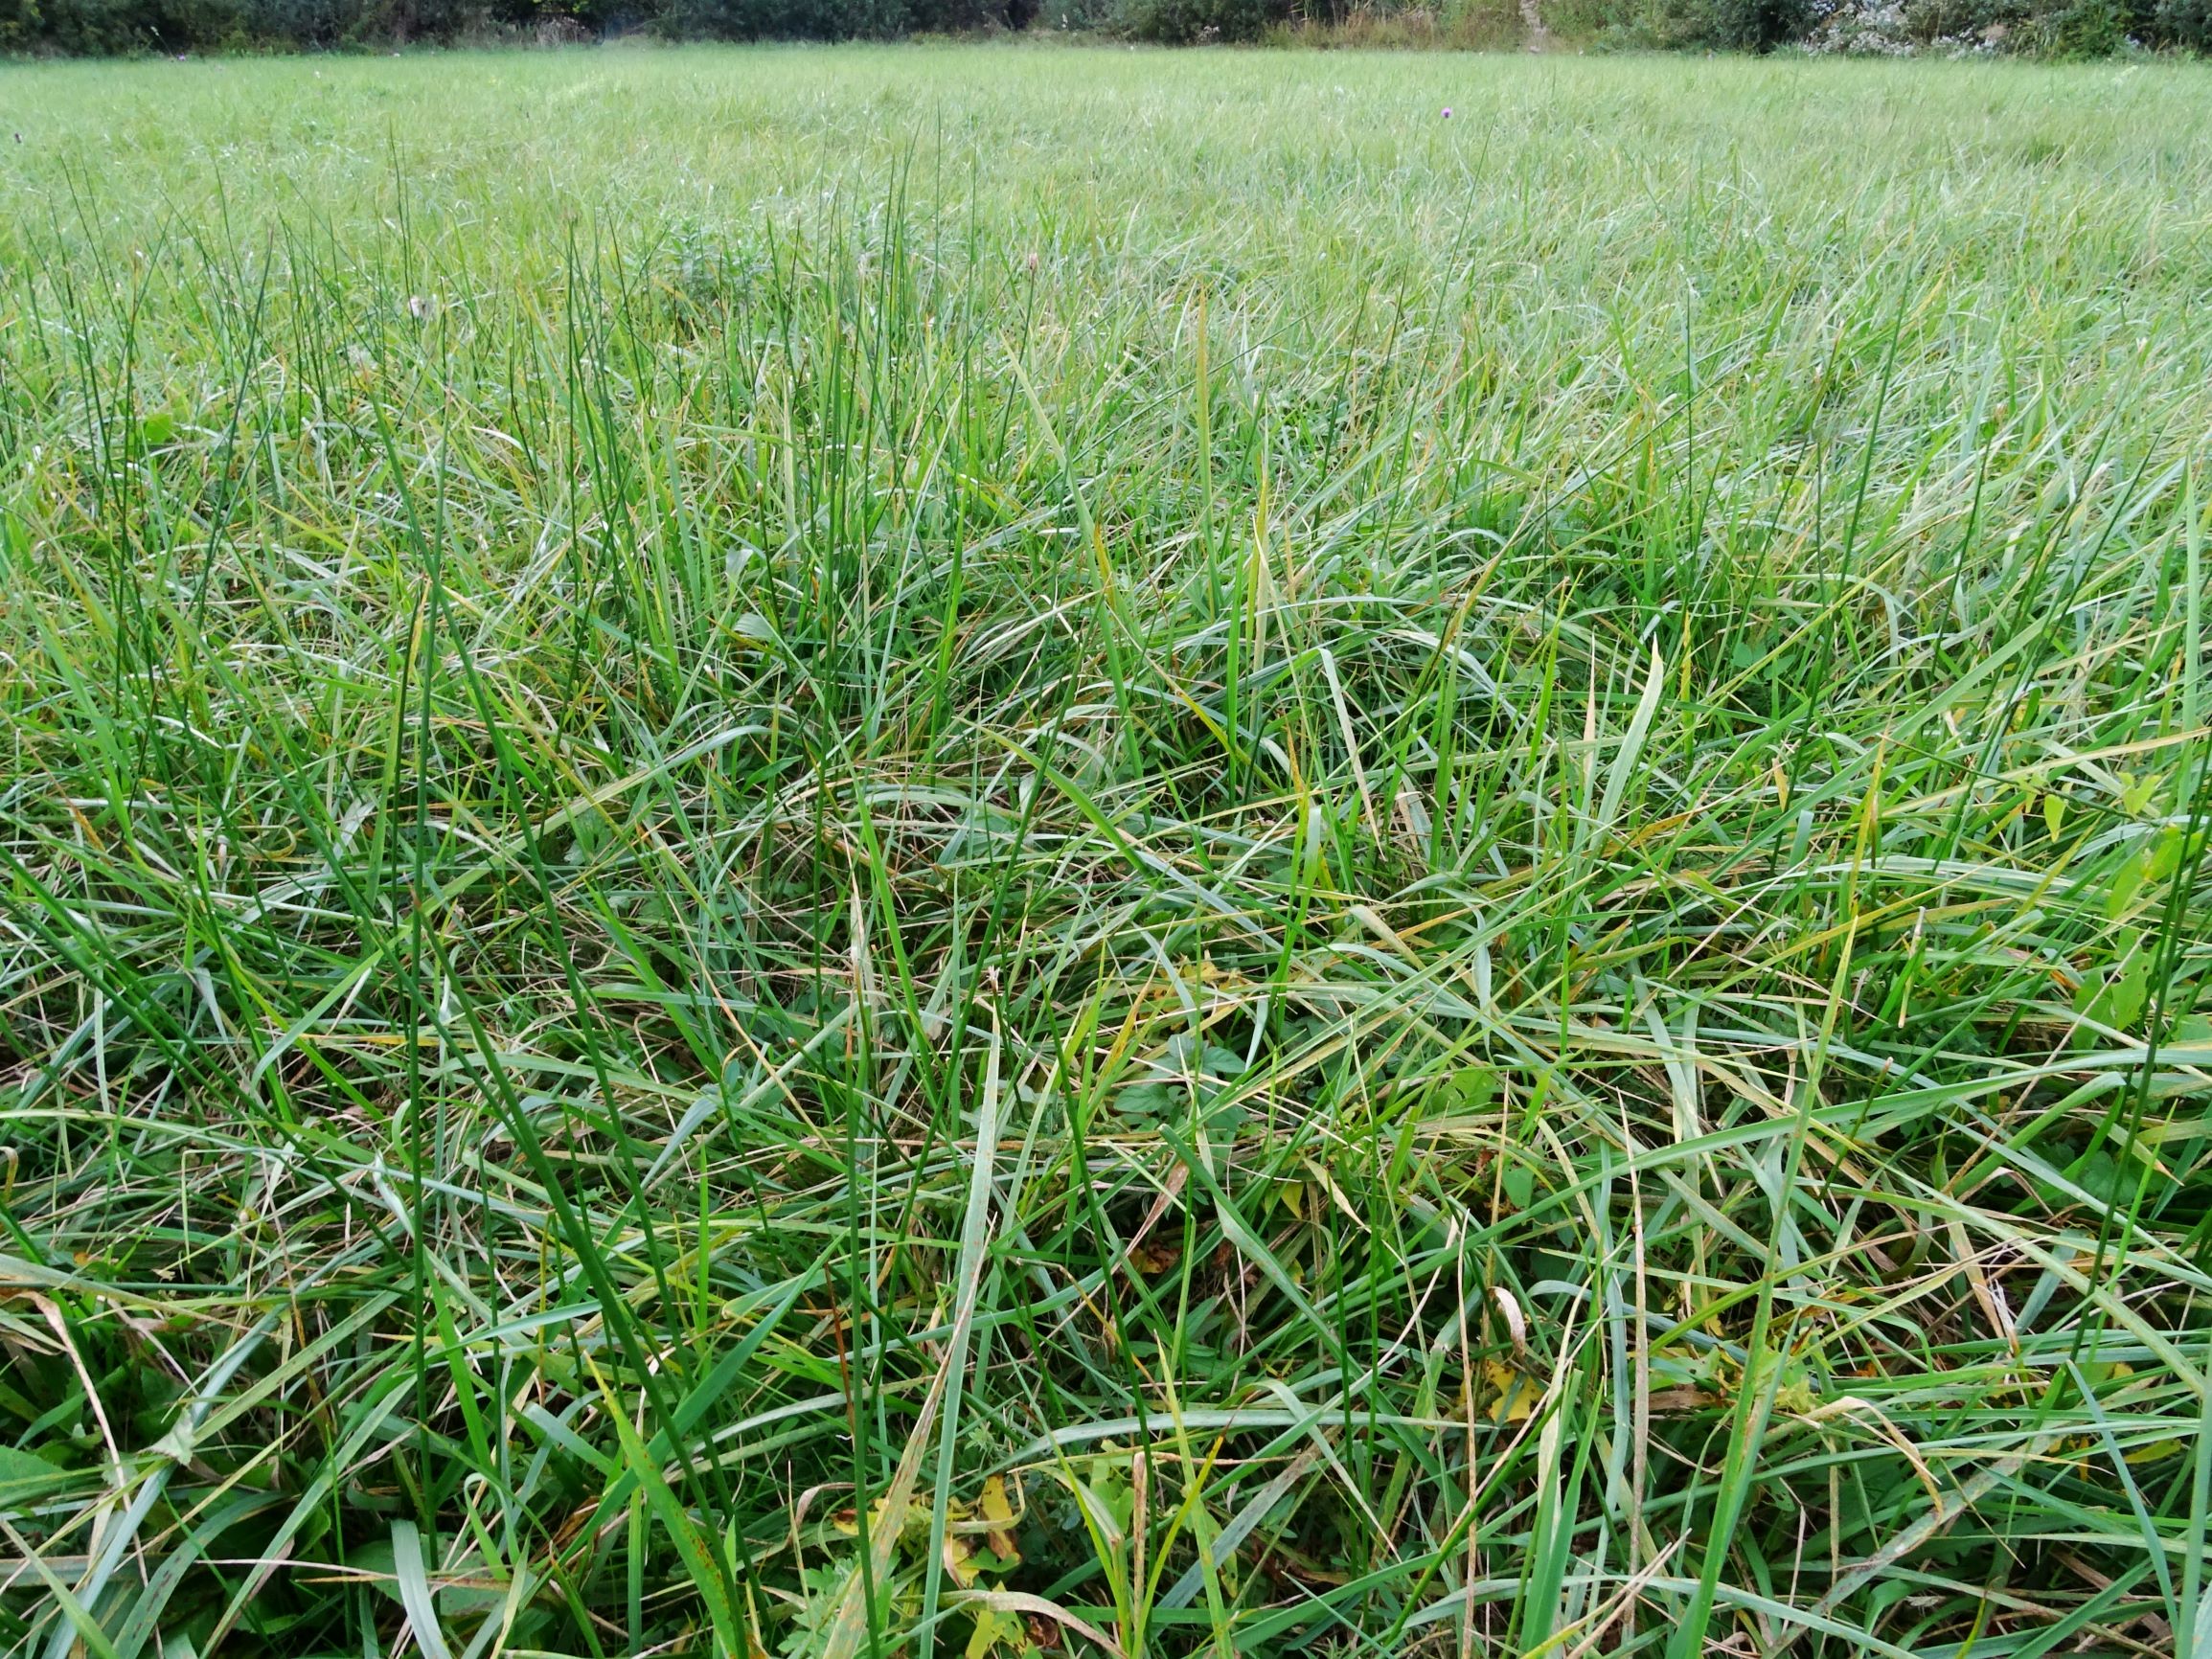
x=122 y=26
x=2183 y=23
x=966 y=16
x=2080 y=27
x=1742 y=25
x=1179 y=22
x=783 y=19
x=1677 y=25
x=1927 y=21
x=1466 y=24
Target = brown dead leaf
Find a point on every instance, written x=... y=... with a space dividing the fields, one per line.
x=1157 y=1256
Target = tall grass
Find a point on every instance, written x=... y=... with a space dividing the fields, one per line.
x=974 y=850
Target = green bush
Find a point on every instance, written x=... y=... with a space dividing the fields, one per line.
x=1457 y=25
x=89 y=26
x=1683 y=25
x=838 y=19
x=966 y=16
x=2183 y=23
x=783 y=19
x=2080 y=27
x=1742 y=25
x=1179 y=22
x=2062 y=29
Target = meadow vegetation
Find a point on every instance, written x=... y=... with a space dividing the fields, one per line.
x=989 y=852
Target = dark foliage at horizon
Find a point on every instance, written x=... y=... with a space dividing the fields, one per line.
x=102 y=27
x=2047 y=28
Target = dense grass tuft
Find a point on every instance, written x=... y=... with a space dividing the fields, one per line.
x=972 y=850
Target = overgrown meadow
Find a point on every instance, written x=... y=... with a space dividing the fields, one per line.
x=965 y=851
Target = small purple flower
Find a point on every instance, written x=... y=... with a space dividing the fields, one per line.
x=1448 y=112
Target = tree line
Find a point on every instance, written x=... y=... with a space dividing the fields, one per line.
x=2051 y=28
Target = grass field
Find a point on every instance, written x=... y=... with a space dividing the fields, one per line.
x=974 y=850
